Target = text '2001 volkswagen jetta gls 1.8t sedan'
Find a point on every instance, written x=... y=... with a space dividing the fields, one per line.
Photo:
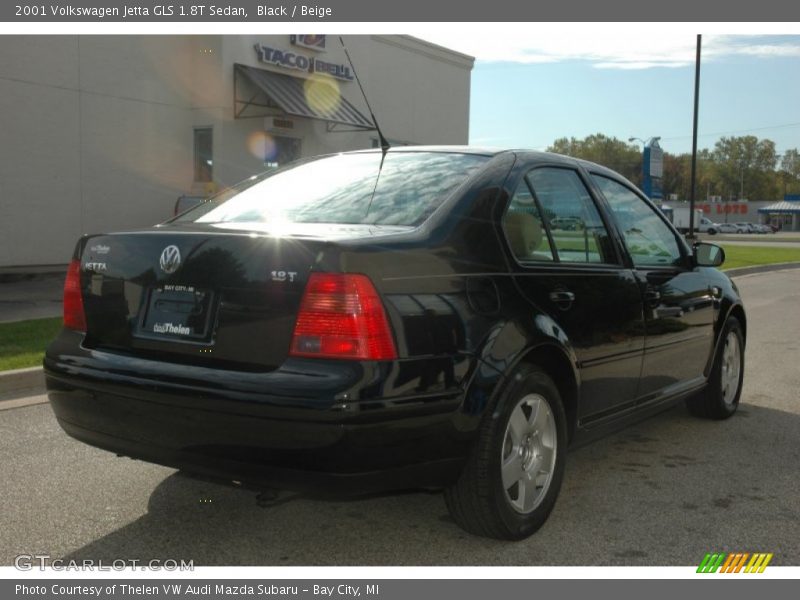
x=442 y=317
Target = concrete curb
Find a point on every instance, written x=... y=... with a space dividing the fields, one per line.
x=32 y=379
x=17 y=380
x=761 y=269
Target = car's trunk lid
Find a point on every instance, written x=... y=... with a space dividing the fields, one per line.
x=200 y=293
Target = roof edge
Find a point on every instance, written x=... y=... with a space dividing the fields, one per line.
x=429 y=49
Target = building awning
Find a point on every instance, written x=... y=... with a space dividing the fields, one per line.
x=294 y=96
x=784 y=207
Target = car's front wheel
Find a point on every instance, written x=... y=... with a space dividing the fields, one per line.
x=720 y=399
x=513 y=475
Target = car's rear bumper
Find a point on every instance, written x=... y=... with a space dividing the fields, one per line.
x=277 y=428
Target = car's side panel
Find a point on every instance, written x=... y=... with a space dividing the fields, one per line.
x=601 y=322
x=603 y=327
x=679 y=310
x=679 y=318
x=726 y=303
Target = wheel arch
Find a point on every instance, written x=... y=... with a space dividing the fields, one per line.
x=735 y=309
x=509 y=346
x=555 y=362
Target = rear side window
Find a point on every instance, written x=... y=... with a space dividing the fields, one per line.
x=525 y=229
x=345 y=188
x=576 y=229
x=649 y=240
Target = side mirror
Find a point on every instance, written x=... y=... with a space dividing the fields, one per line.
x=708 y=255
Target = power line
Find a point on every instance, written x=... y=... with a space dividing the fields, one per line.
x=784 y=126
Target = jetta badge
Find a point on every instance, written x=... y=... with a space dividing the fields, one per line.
x=170 y=259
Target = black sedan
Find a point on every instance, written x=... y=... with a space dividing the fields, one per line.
x=427 y=317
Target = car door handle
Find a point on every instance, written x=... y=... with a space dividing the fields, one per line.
x=562 y=298
x=652 y=297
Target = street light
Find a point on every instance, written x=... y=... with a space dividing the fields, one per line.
x=649 y=142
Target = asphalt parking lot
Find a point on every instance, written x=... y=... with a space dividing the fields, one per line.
x=663 y=492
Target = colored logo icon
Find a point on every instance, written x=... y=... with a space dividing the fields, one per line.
x=734 y=562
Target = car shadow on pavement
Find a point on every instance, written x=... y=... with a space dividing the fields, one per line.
x=661 y=492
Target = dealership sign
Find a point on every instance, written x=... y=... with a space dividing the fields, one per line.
x=654 y=157
x=300 y=62
x=652 y=169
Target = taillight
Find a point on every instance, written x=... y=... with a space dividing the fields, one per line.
x=74 y=317
x=342 y=316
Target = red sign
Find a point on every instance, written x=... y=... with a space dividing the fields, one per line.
x=722 y=208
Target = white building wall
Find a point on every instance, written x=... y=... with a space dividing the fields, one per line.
x=135 y=128
x=419 y=93
x=97 y=131
x=40 y=187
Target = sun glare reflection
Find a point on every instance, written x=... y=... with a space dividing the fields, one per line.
x=322 y=93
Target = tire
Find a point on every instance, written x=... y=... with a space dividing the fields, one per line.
x=712 y=232
x=720 y=399
x=528 y=444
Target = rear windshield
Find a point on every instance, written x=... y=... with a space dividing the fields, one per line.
x=339 y=189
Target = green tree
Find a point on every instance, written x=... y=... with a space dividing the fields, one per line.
x=790 y=172
x=737 y=167
x=746 y=167
x=675 y=179
x=610 y=152
x=708 y=179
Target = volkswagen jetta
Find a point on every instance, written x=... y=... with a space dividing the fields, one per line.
x=427 y=317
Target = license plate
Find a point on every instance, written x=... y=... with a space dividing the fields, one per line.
x=179 y=312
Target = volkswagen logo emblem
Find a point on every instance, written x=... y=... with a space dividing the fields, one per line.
x=170 y=259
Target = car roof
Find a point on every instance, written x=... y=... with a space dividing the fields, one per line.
x=524 y=153
x=444 y=149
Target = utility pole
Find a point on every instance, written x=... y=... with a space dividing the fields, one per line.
x=694 y=136
x=741 y=181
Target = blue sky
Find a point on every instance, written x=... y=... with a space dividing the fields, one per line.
x=528 y=92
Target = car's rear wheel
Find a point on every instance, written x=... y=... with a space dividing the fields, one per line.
x=720 y=399
x=513 y=475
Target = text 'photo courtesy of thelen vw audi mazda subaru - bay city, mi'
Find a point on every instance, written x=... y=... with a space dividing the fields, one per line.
x=429 y=317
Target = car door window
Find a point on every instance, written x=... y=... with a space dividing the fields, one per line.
x=576 y=229
x=649 y=240
x=524 y=229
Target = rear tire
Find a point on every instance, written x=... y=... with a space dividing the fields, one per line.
x=513 y=474
x=720 y=399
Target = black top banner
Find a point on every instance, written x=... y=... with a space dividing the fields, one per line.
x=404 y=11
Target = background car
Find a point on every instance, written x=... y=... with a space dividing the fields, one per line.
x=373 y=320
x=745 y=227
x=727 y=228
x=708 y=226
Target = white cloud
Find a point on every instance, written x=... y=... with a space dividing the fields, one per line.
x=646 y=50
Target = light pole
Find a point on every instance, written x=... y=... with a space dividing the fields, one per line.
x=693 y=177
x=649 y=142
